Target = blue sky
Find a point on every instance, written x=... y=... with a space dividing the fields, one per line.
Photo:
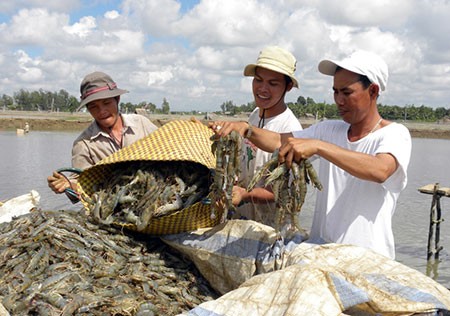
x=98 y=8
x=94 y=8
x=193 y=52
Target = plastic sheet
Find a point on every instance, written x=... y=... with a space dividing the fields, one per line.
x=19 y=205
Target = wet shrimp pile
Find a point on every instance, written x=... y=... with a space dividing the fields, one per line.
x=137 y=192
x=61 y=263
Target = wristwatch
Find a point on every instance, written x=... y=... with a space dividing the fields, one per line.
x=249 y=131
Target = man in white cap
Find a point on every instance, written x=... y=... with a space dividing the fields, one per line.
x=109 y=132
x=273 y=76
x=363 y=159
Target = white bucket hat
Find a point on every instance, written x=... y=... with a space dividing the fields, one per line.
x=276 y=59
x=361 y=62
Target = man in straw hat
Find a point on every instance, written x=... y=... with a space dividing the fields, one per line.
x=273 y=76
x=109 y=132
x=363 y=159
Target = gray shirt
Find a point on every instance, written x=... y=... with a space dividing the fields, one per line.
x=93 y=144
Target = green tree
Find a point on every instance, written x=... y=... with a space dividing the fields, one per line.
x=301 y=100
x=21 y=97
x=63 y=101
x=329 y=110
x=228 y=106
x=165 y=107
x=440 y=113
x=249 y=107
x=127 y=107
x=310 y=101
x=7 y=102
x=150 y=107
x=72 y=104
x=297 y=108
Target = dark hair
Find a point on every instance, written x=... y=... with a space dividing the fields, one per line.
x=364 y=81
x=287 y=79
x=362 y=78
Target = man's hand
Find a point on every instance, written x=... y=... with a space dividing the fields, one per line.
x=58 y=183
x=223 y=128
x=296 y=149
x=238 y=195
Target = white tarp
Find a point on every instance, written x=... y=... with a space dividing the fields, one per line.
x=229 y=254
x=264 y=277
x=19 y=205
x=3 y=311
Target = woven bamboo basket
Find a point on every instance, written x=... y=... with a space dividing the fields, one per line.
x=179 y=140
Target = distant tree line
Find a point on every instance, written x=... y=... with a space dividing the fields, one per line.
x=39 y=101
x=304 y=107
x=307 y=107
x=61 y=101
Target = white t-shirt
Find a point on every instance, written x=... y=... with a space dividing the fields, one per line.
x=350 y=210
x=253 y=159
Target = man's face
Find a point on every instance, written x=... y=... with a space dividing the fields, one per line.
x=352 y=99
x=104 y=111
x=268 y=88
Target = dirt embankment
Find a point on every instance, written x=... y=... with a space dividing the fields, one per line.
x=79 y=121
x=60 y=121
x=432 y=133
x=53 y=124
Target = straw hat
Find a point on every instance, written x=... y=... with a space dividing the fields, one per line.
x=276 y=59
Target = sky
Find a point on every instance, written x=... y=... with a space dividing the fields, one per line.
x=192 y=52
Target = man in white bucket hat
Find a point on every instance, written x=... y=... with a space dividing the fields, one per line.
x=273 y=76
x=109 y=132
x=363 y=159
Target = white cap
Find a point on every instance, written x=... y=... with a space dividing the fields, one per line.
x=360 y=62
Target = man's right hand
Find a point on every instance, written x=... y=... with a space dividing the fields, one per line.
x=223 y=128
x=239 y=193
x=58 y=183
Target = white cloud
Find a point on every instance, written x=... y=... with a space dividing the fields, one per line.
x=83 y=28
x=195 y=58
x=34 y=27
x=30 y=74
x=210 y=58
x=232 y=22
x=430 y=23
x=361 y=13
x=197 y=91
x=112 y=15
x=159 y=78
x=29 y=68
x=155 y=16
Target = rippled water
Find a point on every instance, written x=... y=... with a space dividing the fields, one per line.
x=26 y=161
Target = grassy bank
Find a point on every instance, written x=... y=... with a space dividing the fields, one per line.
x=58 y=121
